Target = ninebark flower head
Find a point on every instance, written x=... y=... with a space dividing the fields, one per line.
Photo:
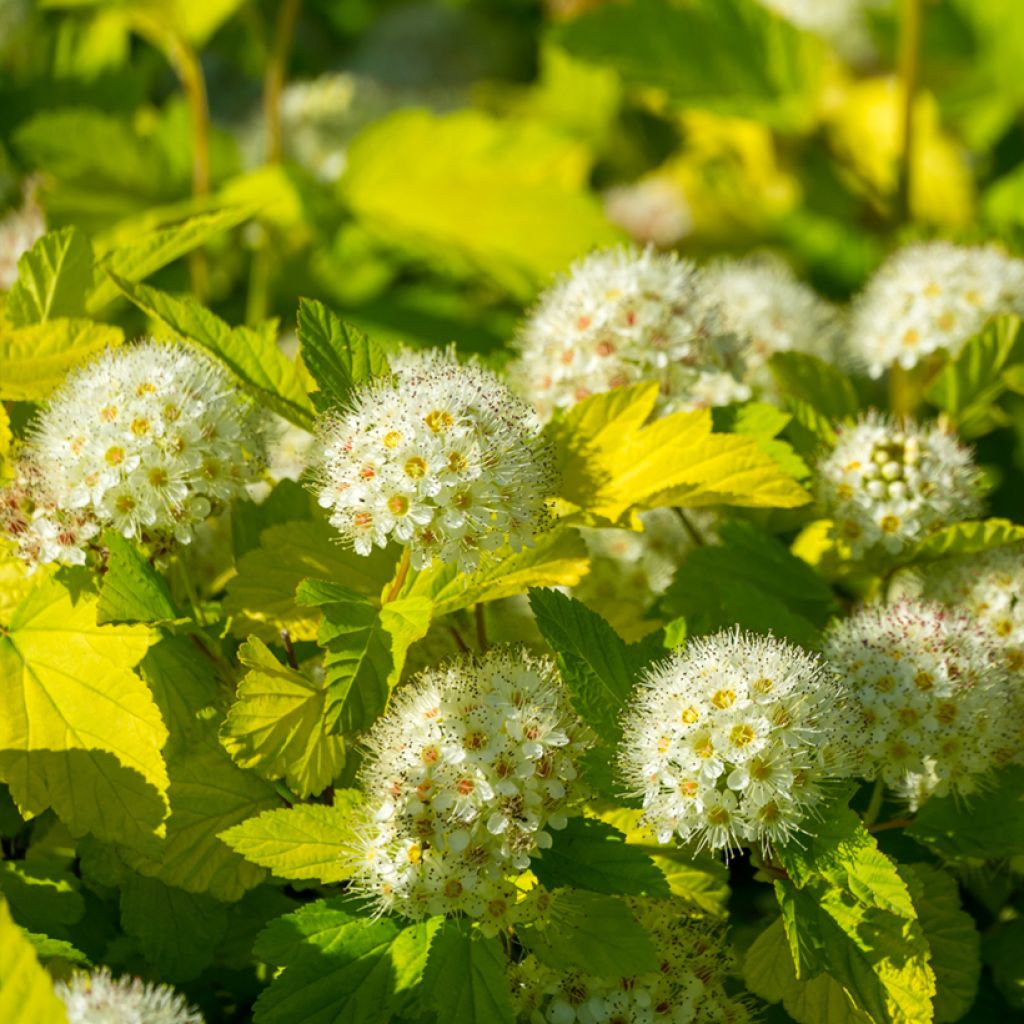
x=98 y=998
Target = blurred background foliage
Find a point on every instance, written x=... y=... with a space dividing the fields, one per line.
x=425 y=167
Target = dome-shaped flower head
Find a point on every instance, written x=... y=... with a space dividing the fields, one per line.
x=19 y=231
x=624 y=316
x=465 y=776
x=887 y=484
x=147 y=439
x=445 y=460
x=929 y=297
x=928 y=696
x=728 y=740
x=687 y=988
x=652 y=210
x=97 y=998
x=769 y=310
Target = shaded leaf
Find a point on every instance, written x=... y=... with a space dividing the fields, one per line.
x=53 y=279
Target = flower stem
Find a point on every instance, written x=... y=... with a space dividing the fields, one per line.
x=904 y=391
x=692 y=530
x=289 y=649
x=399 y=580
x=190 y=592
x=909 y=72
x=274 y=76
x=875 y=803
x=481 y=626
x=895 y=823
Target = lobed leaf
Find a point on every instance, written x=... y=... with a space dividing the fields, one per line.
x=54 y=277
x=26 y=991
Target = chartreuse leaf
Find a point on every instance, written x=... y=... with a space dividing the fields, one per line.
x=304 y=841
x=54 y=277
x=729 y=56
x=599 y=667
x=591 y=932
x=986 y=826
x=769 y=973
x=208 y=793
x=952 y=937
x=557 y=558
x=426 y=183
x=253 y=356
x=965 y=539
x=37 y=358
x=820 y=385
x=277 y=726
x=465 y=978
x=764 y=422
x=611 y=461
x=26 y=991
x=590 y=854
x=340 y=968
x=339 y=356
x=968 y=386
x=750 y=579
x=155 y=249
x=79 y=730
x=179 y=932
x=261 y=597
x=132 y=590
x=365 y=649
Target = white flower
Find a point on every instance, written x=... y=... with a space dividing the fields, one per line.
x=843 y=23
x=688 y=988
x=97 y=998
x=19 y=231
x=466 y=775
x=929 y=698
x=624 y=316
x=769 y=310
x=651 y=210
x=929 y=297
x=147 y=439
x=887 y=484
x=728 y=740
x=444 y=459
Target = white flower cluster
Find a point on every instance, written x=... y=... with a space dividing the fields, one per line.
x=929 y=297
x=843 y=23
x=728 y=740
x=688 y=987
x=624 y=316
x=445 y=460
x=770 y=310
x=652 y=210
x=988 y=586
x=465 y=776
x=19 y=231
x=930 y=696
x=97 y=998
x=147 y=439
x=887 y=484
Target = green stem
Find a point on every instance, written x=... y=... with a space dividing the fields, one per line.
x=875 y=803
x=274 y=76
x=190 y=592
x=895 y=823
x=481 y=627
x=400 y=575
x=909 y=72
x=692 y=530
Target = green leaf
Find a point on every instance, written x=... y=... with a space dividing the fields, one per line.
x=599 y=668
x=48 y=948
x=986 y=825
x=253 y=356
x=155 y=249
x=591 y=854
x=208 y=793
x=339 y=356
x=465 y=977
x=277 y=726
x=36 y=359
x=952 y=937
x=732 y=57
x=26 y=991
x=300 y=842
x=765 y=422
x=751 y=579
x=178 y=932
x=79 y=730
x=132 y=590
x=261 y=597
x=53 y=279
x=965 y=539
x=426 y=183
x=339 y=968
x=972 y=380
x=594 y=933
x=43 y=895
x=556 y=559
x=811 y=380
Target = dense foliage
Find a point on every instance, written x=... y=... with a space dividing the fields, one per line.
x=511 y=511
